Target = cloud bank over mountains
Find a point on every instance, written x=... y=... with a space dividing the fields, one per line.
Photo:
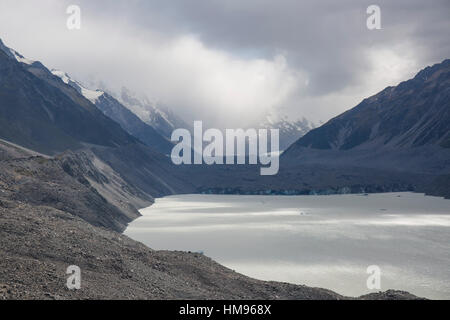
x=229 y=63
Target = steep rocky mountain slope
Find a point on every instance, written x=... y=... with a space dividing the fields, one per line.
x=160 y=117
x=132 y=124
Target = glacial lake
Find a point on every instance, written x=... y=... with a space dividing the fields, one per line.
x=320 y=241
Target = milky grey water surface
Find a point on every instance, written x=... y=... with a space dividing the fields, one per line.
x=321 y=241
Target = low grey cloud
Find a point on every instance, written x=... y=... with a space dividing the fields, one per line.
x=326 y=38
x=231 y=62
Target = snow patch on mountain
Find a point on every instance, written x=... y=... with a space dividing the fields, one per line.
x=91 y=95
x=14 y=54
x=61 y=74
x=21 y=58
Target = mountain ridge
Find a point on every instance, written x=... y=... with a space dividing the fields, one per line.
x=390 y=112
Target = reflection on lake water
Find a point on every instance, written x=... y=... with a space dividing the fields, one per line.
x=321 y=241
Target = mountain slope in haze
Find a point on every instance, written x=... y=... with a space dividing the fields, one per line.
x=122 y=115
x=161 y=118
x=405 y=128
x=290 y=130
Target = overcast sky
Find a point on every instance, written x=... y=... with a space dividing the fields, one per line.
x=230 y=62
